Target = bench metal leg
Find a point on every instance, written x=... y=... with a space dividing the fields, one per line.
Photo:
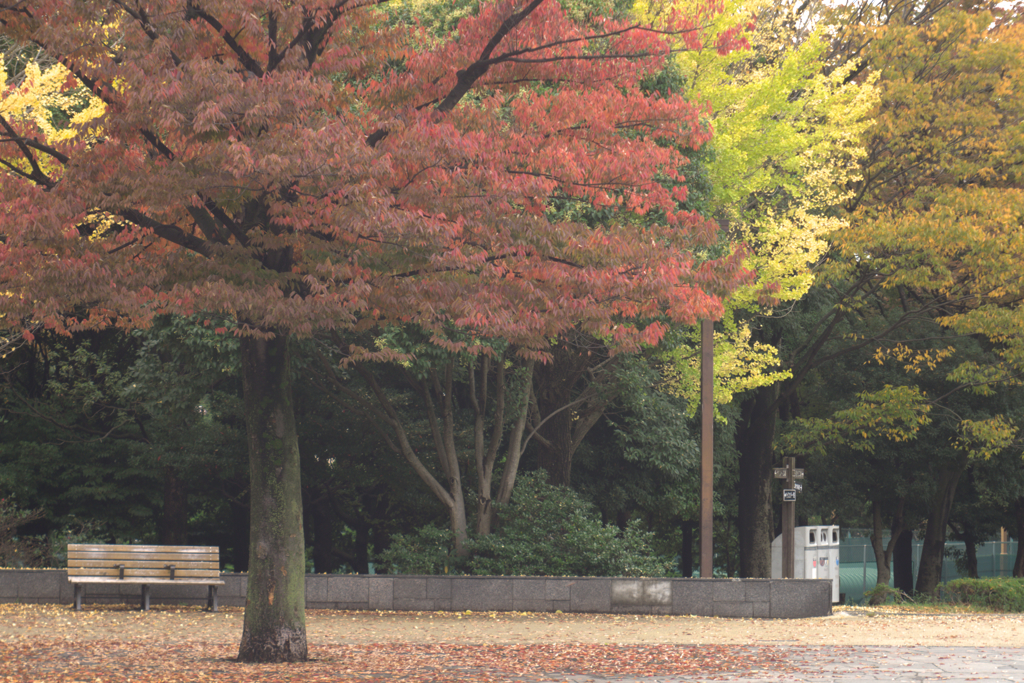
x=78 y=597
x=211 y=598
x=145 y=597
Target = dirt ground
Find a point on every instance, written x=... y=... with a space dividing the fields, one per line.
x=847 y=626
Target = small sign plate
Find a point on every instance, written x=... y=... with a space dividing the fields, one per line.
x=788 y=495
x=780 y=472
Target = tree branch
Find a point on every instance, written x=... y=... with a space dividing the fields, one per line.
x=247 y=60
x=466 y=78
x=171 y=233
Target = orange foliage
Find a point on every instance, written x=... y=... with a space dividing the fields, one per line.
x=312 y=169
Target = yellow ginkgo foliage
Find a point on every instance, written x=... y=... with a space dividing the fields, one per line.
x=51 y=101
x=787 y=148
x=741 y=363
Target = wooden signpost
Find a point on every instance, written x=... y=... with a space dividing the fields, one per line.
x=789 y=472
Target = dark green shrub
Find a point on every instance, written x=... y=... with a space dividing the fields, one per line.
x=544 y=531
x=552 y=531
x=1000 y=594
x=428 y=550
x=17 y=551
x=48 y=551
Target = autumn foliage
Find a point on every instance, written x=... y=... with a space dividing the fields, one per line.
x=293 y=167
x=304 y=167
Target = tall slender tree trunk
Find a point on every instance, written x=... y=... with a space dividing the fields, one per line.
x=485 y=450
x=686 y=551
x=1018 y=514
x=570 y=399
x=457 y=517
x=971 y=555
x=881 y=557
x=555 y=383
x=929 y=573
x=903 y=562
x=174 y=520
x=555 y=452
x=884 y=552
x=487 y=516
x=326 y=559
x=361 y=562
x=238 y=542
x=274 y=628
x=755 y=437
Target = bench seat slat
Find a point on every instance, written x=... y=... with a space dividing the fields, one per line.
x=155 y=557
x=145 y=548
x=110 y=566
x=162 y=573
x=140 y=561
x=144 y=579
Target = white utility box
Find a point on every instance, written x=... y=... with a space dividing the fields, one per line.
x=815 y=555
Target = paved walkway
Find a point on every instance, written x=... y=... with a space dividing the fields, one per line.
x=913 y=664
x=917 y=664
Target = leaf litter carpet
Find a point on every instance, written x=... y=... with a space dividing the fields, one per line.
x=108 y=644
x=115 y=661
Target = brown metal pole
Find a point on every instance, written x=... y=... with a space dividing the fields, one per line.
x=788 y=523
x=707 y=471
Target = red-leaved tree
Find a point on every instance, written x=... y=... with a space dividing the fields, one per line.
x=299 y=166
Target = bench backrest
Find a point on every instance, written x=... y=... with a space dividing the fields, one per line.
x=122 y=561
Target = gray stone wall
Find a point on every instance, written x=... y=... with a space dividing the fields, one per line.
x=765 y=598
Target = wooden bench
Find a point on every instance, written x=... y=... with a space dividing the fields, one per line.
x=145 y=565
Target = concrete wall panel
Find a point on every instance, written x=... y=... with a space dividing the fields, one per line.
x=745 y=598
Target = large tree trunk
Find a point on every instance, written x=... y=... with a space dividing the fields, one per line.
x=274 y=628
x=755 y=436
x=929 y=573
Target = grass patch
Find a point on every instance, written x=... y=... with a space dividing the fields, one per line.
x=998 y=595
x=884 y=598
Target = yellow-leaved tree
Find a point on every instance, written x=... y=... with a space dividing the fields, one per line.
x=788 y=147
x=33 y=91
x=34 y=95
x=936 y=231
